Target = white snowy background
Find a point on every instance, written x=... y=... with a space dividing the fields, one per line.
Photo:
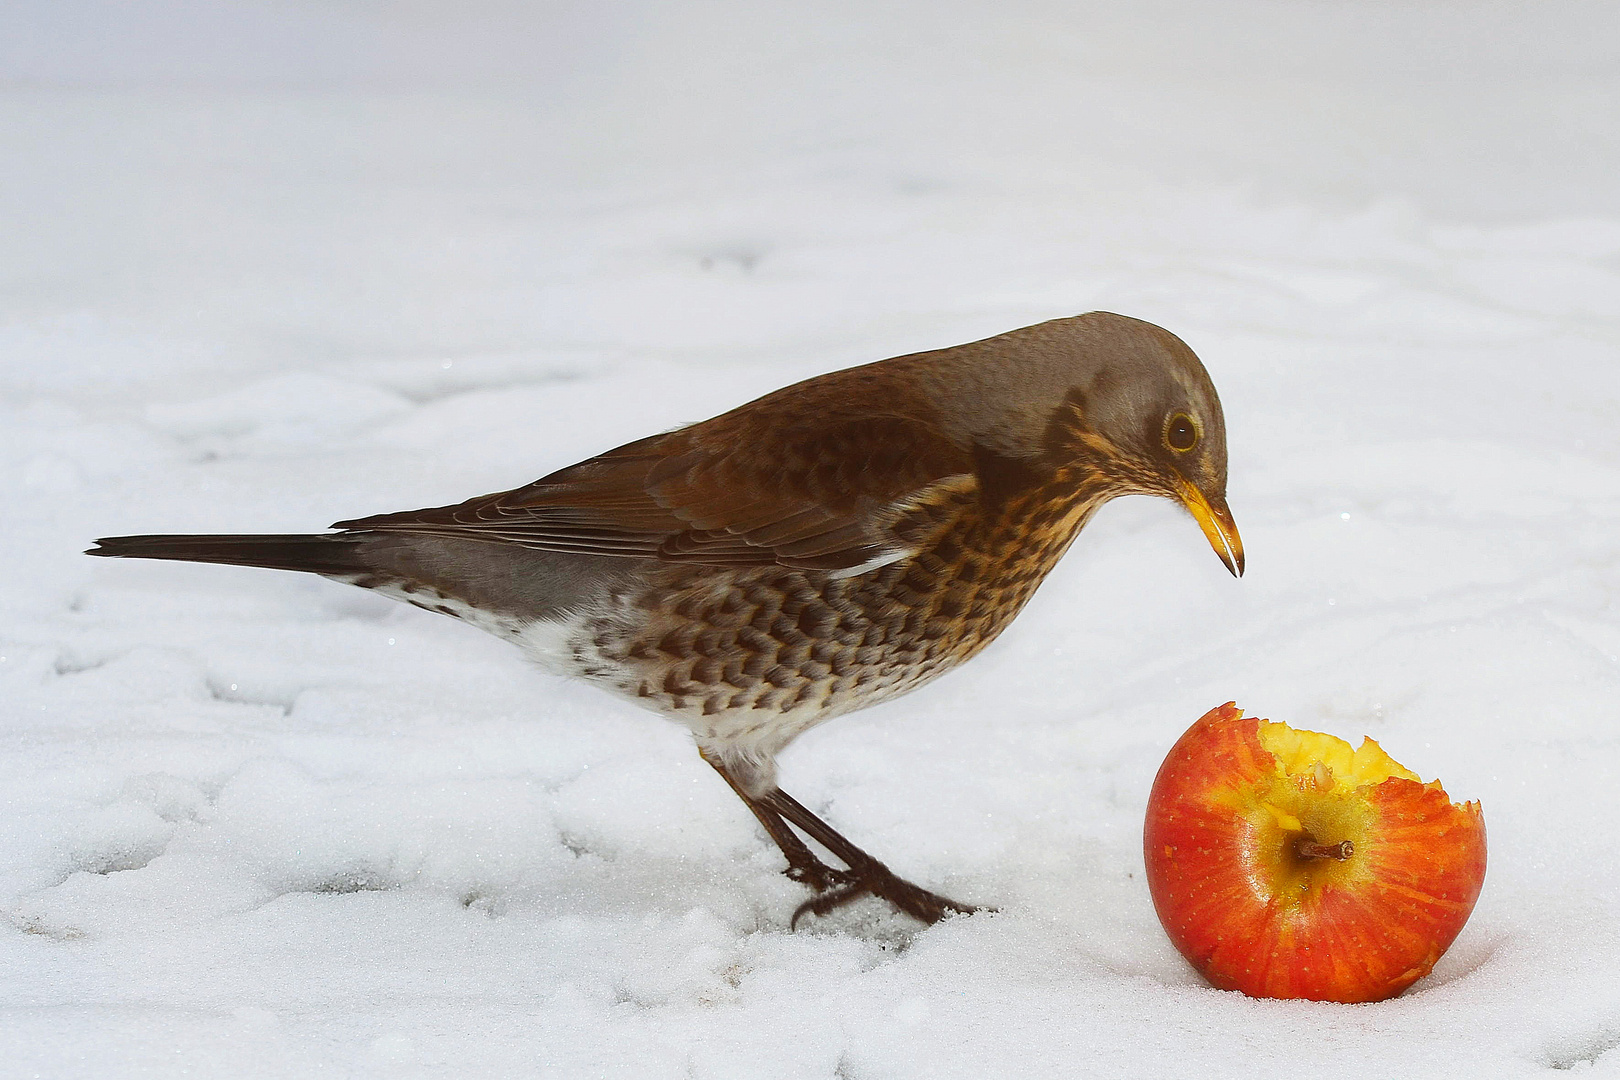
x=267 y=265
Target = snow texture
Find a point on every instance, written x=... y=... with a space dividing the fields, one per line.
x=268 y=265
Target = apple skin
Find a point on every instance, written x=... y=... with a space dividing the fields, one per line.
x=1221 y=844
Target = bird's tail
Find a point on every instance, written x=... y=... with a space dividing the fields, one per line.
x=334 y=554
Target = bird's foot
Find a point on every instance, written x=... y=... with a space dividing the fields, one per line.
x=818 y=875
x=875 y=879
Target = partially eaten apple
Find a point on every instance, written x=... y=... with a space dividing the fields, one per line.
x=1288 y=864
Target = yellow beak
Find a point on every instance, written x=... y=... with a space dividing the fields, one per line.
x=1219 y=528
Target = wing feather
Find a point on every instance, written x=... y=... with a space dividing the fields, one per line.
x=816 y=489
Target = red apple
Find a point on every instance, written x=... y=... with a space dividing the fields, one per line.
x=1286 y=864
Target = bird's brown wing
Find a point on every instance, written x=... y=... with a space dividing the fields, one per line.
x=813 y=491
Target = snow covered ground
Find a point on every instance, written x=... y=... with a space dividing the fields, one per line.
x=265 y=266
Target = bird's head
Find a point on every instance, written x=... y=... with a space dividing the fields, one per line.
x=1117 y=400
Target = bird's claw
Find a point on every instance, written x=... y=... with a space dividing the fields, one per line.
x=819 y=876
x=879 y=881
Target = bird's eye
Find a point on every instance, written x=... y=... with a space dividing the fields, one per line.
x=1181 y=433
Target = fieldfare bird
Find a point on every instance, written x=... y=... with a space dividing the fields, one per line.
x=823 y=548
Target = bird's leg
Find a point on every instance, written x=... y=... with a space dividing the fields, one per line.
x=866 y=875
x=803 y=866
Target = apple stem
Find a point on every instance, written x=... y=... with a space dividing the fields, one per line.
x=1310 y=849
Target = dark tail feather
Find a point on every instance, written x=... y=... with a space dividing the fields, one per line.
x=333 y=553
